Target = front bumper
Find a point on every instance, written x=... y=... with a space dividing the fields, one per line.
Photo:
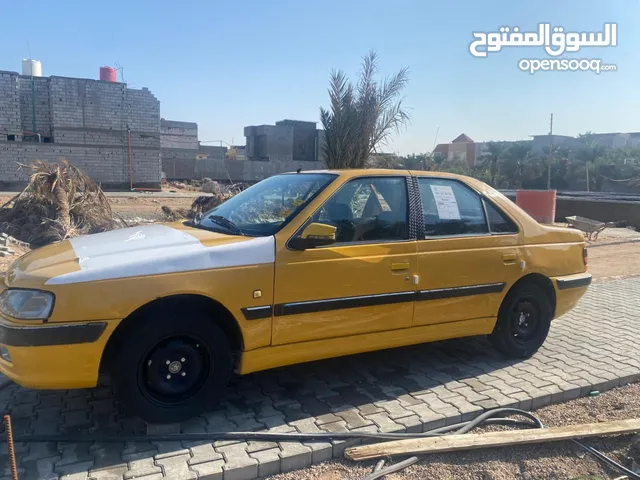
x=54 y=356
x=569 y=289
x=48 y=335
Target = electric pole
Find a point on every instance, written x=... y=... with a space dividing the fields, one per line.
x=550 y=153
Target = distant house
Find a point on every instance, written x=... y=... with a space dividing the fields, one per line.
x=461 y=149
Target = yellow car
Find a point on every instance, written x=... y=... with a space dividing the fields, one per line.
x=299 y=267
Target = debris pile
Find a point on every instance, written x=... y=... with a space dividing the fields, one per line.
x=210 y=186
x=201 y=204
x=5 y=245
x=59 y=202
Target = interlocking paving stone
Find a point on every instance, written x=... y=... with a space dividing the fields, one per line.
x=412 y=389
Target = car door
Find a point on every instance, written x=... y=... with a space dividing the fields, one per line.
x=362 y=283
x=468 y=257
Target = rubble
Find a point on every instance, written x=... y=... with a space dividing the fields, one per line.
x=210 y=186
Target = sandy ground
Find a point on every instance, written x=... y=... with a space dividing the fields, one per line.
x=141 y=209
x=616 y=254
x=552 y=461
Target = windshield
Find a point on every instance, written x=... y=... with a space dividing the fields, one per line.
x=267 y=206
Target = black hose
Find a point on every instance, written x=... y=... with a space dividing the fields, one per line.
x=485 y=418
x=392 y=468
x=612 y=463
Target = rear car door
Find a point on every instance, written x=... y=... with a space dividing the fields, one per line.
x=468 y=257
x=360 y=284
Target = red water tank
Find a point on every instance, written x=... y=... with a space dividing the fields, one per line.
x=108 y=74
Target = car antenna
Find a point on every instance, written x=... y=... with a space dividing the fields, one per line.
x=298 y=170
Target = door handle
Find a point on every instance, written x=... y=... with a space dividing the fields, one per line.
x=398 y=267
x=509 y=258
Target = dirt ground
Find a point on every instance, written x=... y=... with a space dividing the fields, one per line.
x=616 y=254
x=141 y=209
x=552 y=461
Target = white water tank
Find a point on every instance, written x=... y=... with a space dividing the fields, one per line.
x=31 y=67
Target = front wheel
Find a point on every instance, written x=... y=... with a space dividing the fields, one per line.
x=523 y=322
x=171 y=366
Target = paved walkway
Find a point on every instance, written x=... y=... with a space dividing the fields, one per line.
x=595 y=347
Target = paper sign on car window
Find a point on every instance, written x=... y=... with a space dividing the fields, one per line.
x=446 y=202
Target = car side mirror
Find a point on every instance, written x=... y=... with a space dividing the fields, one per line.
x=314 y=235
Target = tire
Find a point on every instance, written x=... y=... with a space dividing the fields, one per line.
x=172 y=365
x=523 y=321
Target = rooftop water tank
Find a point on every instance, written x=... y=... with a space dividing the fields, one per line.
x=108 y=74
x=31 y=67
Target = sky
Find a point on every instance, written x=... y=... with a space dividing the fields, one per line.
x=226 y=64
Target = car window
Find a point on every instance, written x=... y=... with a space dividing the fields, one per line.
x=266 y=206
x=498 y=221
x=367 y=210
x=451 y=208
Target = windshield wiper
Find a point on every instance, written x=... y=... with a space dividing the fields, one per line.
x=226 y=223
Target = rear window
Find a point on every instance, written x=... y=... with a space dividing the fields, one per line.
x=498 y=221
x=451 y=208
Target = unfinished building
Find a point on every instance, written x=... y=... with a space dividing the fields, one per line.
x=110 y=131
x=115 y=134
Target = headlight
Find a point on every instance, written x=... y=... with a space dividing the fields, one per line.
x=26 y=304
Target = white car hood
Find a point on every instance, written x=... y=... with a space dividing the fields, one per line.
x=158 y=249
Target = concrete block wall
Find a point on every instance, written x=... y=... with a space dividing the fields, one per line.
x=42 y=104
x=179 y=164
x=174 y=134
x=10 y=122
x=88 y=122
x=142 y=111
x=248 y=171
x=179 y=147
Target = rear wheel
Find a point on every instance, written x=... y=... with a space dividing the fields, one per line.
x=171 y=365
x=523 y=321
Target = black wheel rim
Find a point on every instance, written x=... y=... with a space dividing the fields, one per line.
x=524 y=320
x=174 y=369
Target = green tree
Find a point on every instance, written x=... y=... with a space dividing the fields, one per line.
x=518 y=165
x=362 y=117
x=419 y=161
x=495 y=153
x=590 y=154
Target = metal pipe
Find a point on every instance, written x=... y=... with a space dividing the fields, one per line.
x=33 y=101
x=11 y=448
x=130 y=160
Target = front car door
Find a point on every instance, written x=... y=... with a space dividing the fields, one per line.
x=468 y=257
x=362 y=283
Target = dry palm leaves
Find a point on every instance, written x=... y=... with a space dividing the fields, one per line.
x=200 y=205
x=59 y=202
x=205 y=202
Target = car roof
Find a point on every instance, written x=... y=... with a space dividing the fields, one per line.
x=359 y=172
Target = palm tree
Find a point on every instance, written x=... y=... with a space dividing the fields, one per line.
x=516 y=163
x=589 y=152
x=495 y=152
x=362 y=117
